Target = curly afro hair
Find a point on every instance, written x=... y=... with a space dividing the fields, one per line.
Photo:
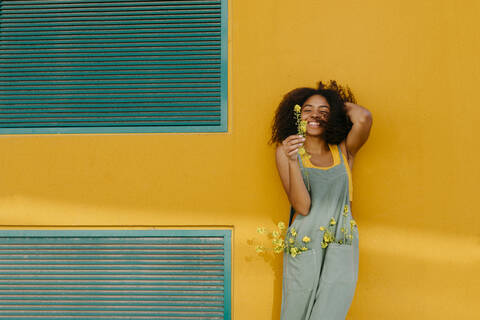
x=338 y=124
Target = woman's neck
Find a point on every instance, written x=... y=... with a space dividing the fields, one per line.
x=316 y=145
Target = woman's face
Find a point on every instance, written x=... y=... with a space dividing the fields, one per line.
x=315 y=111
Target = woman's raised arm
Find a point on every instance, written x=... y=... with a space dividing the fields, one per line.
x=362 y=122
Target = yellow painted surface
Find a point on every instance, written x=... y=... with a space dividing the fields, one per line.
x=414 y=64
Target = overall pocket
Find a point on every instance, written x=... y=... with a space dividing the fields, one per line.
x=300 y=271
x=339 y=264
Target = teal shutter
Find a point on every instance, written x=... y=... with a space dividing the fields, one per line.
x=115 y=274
x=105 y=66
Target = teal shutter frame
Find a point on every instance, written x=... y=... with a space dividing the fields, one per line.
x=115 y=274
x=112 y=66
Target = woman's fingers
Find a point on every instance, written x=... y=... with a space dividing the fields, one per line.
x=292 y=146
x=294 y=141
x=291 y=153
x=295 y=137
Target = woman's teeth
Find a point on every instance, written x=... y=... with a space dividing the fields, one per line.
x=314 y=124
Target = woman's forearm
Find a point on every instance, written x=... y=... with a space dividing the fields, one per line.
x=298 y=193
x=356 y=113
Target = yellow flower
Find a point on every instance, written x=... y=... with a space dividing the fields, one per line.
x=293 y=251
x=302 y=127
x=353 y=223
x=275 y=234
x=301 y=151
x=324 y=244
x=259 y=249
x=291 y=240
x=261 y=230
x=293 y=232
x=345 y=208
x=349 y=236
x=297 y=108
x=304 y=248
x=278 y=249
x=332 y=221
x=306 y=239
x=322 y=228
x=281 y=225
x=278 y=243
x=326 y=238
x=342 y=229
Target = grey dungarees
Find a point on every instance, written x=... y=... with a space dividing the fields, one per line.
x=319 y=284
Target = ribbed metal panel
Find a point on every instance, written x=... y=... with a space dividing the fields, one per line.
x=75 y=66
x=109 y=274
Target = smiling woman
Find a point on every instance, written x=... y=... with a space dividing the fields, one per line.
x=319 y=187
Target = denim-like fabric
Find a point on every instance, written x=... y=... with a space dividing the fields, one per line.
x=319 y=284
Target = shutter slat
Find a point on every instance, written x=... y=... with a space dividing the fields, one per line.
x=156 y=60
x=159 y=87
x=105 y=89
x=206 y=68
x=111 y=123
x=111 y=111
x=84 y=33
x=100 y=23
x=88 y=94
x=5 y=304
x=96 y=3
x=107 y=64
x=124 y=40
x=124 y=12
x=115 y=28
x=77 y=107
x=117 y=298
x=112 y=117
x=111 y=6
x=129 y=55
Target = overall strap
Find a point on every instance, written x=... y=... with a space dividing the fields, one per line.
x=292 y=211
x=349 y=173
x=340 y=153
x=300 y=161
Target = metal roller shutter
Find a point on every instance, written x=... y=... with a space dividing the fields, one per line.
x=100 y=66
x=115 y=274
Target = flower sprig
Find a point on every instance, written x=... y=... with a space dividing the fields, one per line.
x=329 y=232
x=283 y=241
x=302 y=130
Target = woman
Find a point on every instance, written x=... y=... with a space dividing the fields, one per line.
x=319 y=283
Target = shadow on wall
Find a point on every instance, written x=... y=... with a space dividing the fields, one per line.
x=424 y=271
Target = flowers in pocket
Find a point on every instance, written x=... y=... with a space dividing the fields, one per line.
x=283 y=240
x=329 y=234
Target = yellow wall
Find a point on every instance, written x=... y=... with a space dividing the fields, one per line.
x=414 y=64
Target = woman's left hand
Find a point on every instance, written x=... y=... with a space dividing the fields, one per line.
x=355 y=112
